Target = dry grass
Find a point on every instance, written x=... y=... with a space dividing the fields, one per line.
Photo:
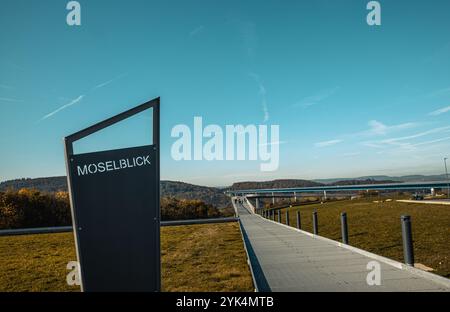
x=376 y=227
x=205 y=258
x=194 y=258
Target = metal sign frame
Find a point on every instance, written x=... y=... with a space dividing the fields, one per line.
x=68 y=143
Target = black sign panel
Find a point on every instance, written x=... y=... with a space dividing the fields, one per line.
x=115 y=205
x=115 y=208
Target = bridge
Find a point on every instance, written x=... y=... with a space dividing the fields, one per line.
x=340 y=188
x=283 y=258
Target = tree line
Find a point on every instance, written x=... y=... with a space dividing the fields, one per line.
x=29 y=208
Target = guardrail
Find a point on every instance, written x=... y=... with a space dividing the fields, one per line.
x=65 y=229
x=335 y=188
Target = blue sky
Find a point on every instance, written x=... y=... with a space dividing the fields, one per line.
x=350 y=99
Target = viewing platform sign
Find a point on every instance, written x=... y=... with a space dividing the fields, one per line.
x=116 y=211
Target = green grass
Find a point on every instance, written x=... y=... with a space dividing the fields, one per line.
x=376 y=227
x=194 y=258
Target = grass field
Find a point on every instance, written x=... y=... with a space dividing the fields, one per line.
x=376 y=227
x=194 y=258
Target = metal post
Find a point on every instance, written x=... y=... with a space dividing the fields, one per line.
x=273 y=215
x=344 y=228
x=279 y=216
x=448 y=181
x=408 y=249
x=287 y=217
x=273 y=199
x=299 y=224
x=315 y=223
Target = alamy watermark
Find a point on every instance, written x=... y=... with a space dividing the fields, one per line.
x=236 y=142
x=374 y=16
x=374 y=276
x=73 y=18
x=73 y=278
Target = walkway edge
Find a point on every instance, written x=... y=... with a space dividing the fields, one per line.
x=255 y=284
x=433 y=277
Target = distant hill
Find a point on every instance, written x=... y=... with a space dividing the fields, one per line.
x=182 y=190
x=363 y=182
x=283 y=183
x=407 y=178
x=51 y=184
x=178 y=190
x=292 y=183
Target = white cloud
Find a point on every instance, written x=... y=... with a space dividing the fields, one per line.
x=327 y=143
x=273 y=143
x=439 y=92
x=103 y=84
x=351 y=154
x=196 y=31
x=79 y=98
x=249 y=37
x=417 y=135
x=372 y=144
x=432 y=141
x=10 y=100
x=317 y=98
x=262 y=94
x=404 y=142
x=72 y=102
x=378 y=128
x=440 y=111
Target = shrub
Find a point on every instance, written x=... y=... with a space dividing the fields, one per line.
x=29 y=208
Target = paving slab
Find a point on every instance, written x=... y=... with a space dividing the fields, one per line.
x=284 y=259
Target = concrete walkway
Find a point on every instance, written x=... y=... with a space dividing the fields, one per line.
x=285 y=259
x=430 y=202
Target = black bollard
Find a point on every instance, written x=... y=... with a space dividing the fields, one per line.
x=279 y=216
x=344 y=228
x=287 y=217
x=299 y=224
x=315 y=223
x=408 y=249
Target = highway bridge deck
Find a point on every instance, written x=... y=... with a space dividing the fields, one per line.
x=285 y=259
